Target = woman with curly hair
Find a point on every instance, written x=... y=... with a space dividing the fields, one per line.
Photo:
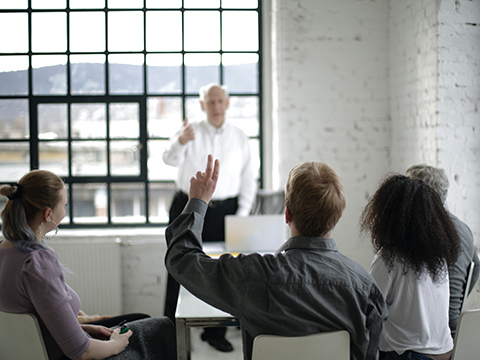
x=415 y=241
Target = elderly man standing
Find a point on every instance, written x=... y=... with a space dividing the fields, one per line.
x=438 y=181
x=308 y=287
x=236 y=186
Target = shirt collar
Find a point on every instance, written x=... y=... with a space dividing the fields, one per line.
x=307 y=242
x=212 y=129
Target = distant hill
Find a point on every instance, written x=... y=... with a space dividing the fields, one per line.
x=88 y=78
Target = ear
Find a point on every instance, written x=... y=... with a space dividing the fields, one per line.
x=202 y=105
x=288 y=218
x=46 y=214
x=228 y=102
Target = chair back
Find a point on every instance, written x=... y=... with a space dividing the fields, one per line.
x=268 y=202
x=21 y=337
x=467 y=345
x=467 y=285
x=322 y=346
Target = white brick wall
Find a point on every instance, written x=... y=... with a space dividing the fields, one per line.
x=376 y=86
x=333 y=98
x=413 y=82
x=458 y=106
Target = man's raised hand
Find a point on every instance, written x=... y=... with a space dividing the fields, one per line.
x=203 y=184
x=187 y=134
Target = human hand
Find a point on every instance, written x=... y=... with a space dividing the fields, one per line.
x=88 y=319
x=187 y=134
x=202 y=185
x=97 y=332
x=121 y=340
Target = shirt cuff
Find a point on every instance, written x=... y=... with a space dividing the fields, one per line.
x=196 y=205
x=242 y=212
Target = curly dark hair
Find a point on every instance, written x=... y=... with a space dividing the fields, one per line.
x=409 y=224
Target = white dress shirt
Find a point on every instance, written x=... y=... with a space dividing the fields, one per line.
x=417 y=310
x=227 y=143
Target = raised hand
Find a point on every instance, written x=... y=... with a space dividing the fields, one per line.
x=187 y=134
x=203 y=184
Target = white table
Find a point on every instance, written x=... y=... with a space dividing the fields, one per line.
x=193 y=312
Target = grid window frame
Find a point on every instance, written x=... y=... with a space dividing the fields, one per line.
x=68 y=96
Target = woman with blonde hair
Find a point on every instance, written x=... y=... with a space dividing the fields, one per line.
x=32 y=279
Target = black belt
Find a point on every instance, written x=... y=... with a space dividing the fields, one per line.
x=213 y=203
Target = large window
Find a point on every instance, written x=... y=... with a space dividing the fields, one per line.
x=93 y=89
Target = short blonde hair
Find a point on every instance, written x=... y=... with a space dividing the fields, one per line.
x=315 y=198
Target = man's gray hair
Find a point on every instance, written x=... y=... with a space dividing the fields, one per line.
x=205 y=89
x=432 y=176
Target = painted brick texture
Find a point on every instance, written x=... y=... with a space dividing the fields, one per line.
x=331 y=60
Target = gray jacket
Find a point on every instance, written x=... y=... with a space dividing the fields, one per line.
x=459 y=271
x=308 y=288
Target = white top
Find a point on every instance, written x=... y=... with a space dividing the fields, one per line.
x=230 y=145
x=417 y=310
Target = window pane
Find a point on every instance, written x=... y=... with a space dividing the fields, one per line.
x=48 y=4
x=87 y=38
x=243 y=113
x=17 y=4
x=124 y=120
x=240 y=4
x=13 y=75
x=241 y=72
x=89 y=121
x=127 y=4
x=235 y=40
x=14 y=160
x=157 y=169
x=66 y=219
x=89 y=158
x=193 y=110
x=87 y=74
x=89 y=203
x=164 y=116
x=164 y=73
x=16 y=26
x=87 y=4
x=164 y=31
x=202 y=30
x=199 y=4
x=3 y=199
x=126 y=74
x=49 y=74
x=125 y=31
x=49 y=32
x=167 y=4
x=53 y=156
x=201 y=69
x=255 y=153
x=14 y=119
x=52 y=121
x=125 y=158
x=160 y=198
x=128 y=203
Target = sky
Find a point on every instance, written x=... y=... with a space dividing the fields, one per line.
x=125 y=28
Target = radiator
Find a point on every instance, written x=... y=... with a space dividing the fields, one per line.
x=97 y=273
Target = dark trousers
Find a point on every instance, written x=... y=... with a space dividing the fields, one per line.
x=407 y=355
x=213 y=230
x=115 y=320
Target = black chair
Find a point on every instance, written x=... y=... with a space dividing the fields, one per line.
x=268 y=202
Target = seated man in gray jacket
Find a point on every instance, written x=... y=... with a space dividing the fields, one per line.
x=307 y=287
x=457 y=274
